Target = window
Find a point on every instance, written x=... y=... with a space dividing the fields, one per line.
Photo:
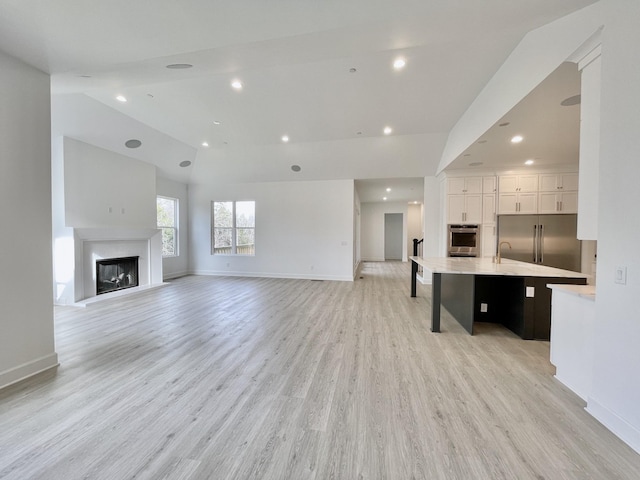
x=233 y=228
x=167 y=209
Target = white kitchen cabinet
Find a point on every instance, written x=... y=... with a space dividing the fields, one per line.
x=517 y=183
x=565 y=182
x=465 y=208
x=558 y=202
x=488 y=240
x=517 y=203
x=488 y=208
x=464 y=185
x=489 y=184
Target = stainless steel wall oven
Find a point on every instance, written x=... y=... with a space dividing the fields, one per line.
x=464 y=240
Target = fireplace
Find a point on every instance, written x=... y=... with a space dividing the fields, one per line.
x=116 y=274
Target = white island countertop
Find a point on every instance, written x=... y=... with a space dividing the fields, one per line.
x=486 y=266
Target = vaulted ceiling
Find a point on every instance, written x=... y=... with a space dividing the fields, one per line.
x=319 y=72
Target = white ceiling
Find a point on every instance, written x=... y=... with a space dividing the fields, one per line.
x=293 y=57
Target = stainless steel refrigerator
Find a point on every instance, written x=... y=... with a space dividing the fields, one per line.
x=542 y=239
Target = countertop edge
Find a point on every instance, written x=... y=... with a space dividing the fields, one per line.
x=587 y=292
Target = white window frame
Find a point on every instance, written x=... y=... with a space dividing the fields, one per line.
x=234 y=228
x=176 y=205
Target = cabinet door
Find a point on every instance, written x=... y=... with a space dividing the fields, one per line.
x=569 y=202
x=550 y=183
x=548 y=202
x=473 y=185
x=488 y=240
x=507 y=203
x=508 y=184
x=528 y=203
x=456 y=208
x=528 y=183
x=489 y=185
x=456 y=185
x=488 y=208
x=473 y=208
x=569 y=182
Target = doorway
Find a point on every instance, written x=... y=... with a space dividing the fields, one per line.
x=393 y=236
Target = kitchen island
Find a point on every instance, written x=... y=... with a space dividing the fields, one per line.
x=511 y=293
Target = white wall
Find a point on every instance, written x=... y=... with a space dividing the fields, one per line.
x=415 y=229
x=433 y=218
x=303 y=230
x=177 y=266
x=615 y=398
x=99 y=195
x=26 y=309
x=372 y=229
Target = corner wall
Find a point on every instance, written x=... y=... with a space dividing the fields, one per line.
x=26 y=308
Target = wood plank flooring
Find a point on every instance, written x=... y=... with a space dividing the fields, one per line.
x=240 y=378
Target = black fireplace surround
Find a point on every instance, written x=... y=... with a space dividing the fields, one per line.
x=116 y=274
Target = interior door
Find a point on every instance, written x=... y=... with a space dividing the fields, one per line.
x=393 y=236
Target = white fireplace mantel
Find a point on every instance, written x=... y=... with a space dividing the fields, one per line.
x=93 y=244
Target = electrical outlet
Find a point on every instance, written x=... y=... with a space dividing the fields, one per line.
x=484 y=307
x=530 y=292
x=621 y=275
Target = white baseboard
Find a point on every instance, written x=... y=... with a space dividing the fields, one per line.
x=628 y=433
x=291 y=276
x=170 y=276
x=29 y=369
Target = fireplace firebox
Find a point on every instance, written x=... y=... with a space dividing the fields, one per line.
x=116 y=274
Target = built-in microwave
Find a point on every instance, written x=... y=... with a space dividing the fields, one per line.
x=464 y=240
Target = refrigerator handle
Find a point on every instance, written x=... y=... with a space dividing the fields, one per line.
x=541 y=243
x=535 y=244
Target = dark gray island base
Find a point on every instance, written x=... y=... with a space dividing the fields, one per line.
x=512 y=293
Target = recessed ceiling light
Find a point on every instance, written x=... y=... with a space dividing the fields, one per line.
x=399 y=63
x=185 y=163
x=475 y=164
x=296 y=168
x=205 y=144
x=529 y=162
x=568 y=102
x=121 y=98
x=466 y=155
x=150 y=95
x=384 y=198
x=352 y=70
x=517 y=139
x=216 y=122
x=387 y=130
x=285 y=138
x=237 y=84
x=415 y=202
x=504 y=124
x=179 y=66
x=133 y=143
x=482 y=141
x=388 y=189
x=84 y=76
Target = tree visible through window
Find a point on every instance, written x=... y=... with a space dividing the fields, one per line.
x=167 y=209
x=233 y=228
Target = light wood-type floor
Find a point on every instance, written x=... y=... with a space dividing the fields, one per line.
x=236 y=378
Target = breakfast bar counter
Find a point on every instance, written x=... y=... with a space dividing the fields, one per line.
x=511 y=293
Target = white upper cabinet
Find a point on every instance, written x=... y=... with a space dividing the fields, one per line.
x=489 y=184
x=518 y=183
x=465 y=208
x=464 y=185
x=565 y=182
